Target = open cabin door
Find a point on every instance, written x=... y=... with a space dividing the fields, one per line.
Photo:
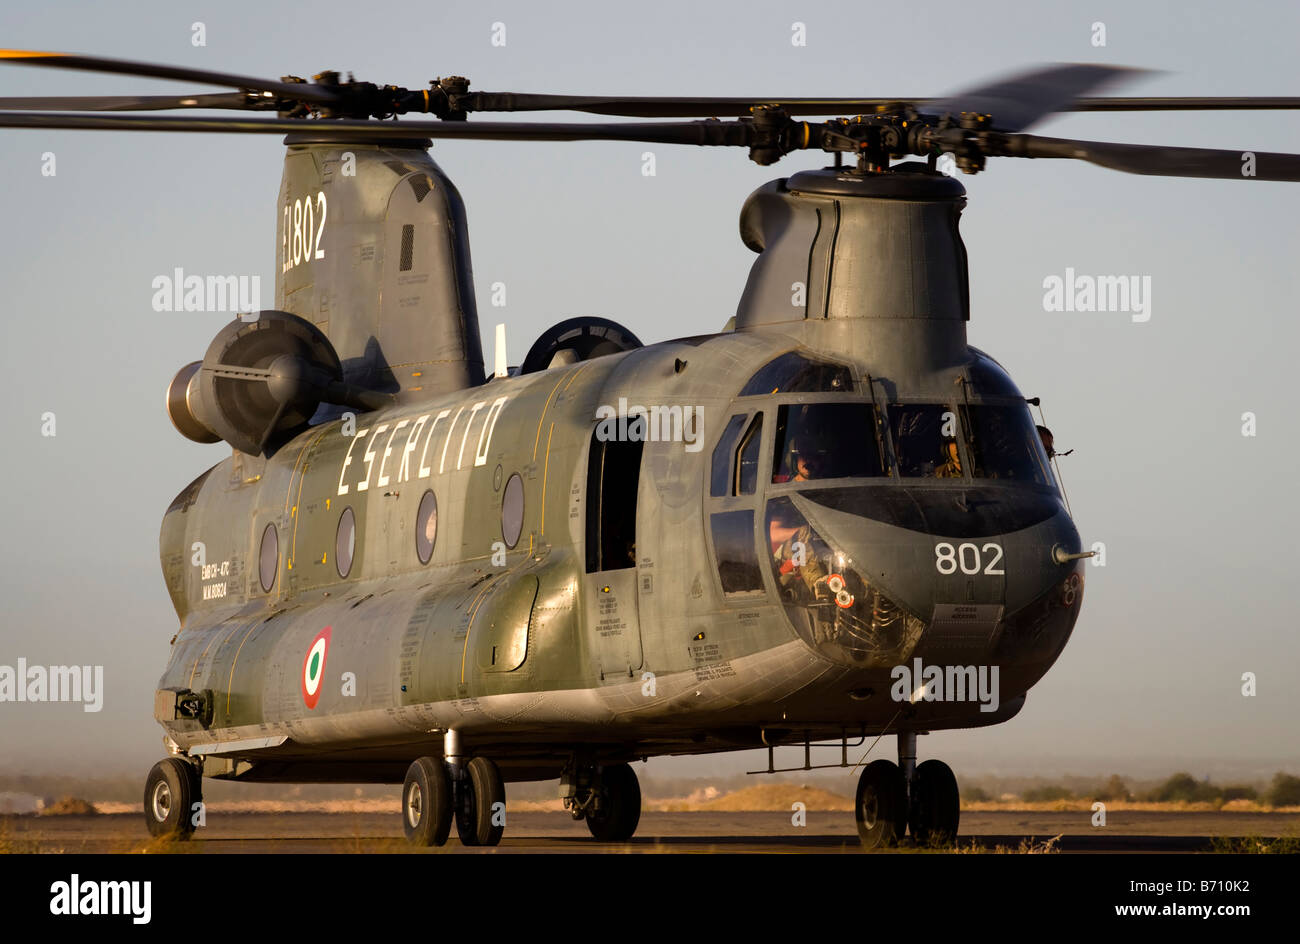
x=609 y=585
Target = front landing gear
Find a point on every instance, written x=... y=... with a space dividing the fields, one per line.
x=427 y=802
x=441 y=789
x=894 y=799
x=936 y=804
x=170 y=792
x=881 y=806
x=480 y=804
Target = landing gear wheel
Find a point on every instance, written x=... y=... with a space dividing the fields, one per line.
x=936 y=804
x=426 y=802
x=620 y=809
x=479 y=819
x=881 y=806
x=170 y=792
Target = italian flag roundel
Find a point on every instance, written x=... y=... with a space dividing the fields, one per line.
x=313 y=668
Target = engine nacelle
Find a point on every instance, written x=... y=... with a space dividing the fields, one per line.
x=578 y=339
x=258 y=385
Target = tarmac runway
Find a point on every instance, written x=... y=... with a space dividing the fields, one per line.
x=1125 y=832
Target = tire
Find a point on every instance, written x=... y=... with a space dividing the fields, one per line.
x=476 y=809
x=936 y=804
x=426 y=802
x=170 y=792
x=881 y=805
x=617 y=818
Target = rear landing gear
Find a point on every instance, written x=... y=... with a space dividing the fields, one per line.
x=170 y=792
x=608 y=797
x=894 y=799
x=617 y=810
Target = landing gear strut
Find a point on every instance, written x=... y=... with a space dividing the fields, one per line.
x=895 y=798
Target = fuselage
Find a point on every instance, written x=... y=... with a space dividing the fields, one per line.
x=671 y=583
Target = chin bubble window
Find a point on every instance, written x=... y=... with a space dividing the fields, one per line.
x=426 y=526
x=345 y=542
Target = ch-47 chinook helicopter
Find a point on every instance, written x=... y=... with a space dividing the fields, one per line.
x=414 y=572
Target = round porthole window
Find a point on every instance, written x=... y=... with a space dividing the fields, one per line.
x=512 y=510
x=426 y=526
x=345 y=542
x=268 y=561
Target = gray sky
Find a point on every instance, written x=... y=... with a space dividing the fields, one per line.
x=1199 y=522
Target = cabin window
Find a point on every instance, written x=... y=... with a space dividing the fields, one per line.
x=268 y=559
x=345 y=542
x=512 y=511
x=613 y=477
x=426 y=526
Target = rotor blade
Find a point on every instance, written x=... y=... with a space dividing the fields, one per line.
x=57 y=60
x=127 y=102
x=1155 y=160
x=1020 y=100
x=640 y=106
x=705 y=133
x=1185 y=103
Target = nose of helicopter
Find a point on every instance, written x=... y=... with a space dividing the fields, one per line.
x=966 y=575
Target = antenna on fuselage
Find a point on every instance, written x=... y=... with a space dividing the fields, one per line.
x=502 y=370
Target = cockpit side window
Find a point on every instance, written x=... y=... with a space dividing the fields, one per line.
x=720 y=474
x=925 y=440
x=748 y=460
x=826 y=441
x=1005 y=444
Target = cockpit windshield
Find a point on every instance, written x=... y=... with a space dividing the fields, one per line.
x=817 y=441
x=826 y=441
x=1004 y=443
x=925 y=440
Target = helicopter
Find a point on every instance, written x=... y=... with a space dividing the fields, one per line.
x=830 y=521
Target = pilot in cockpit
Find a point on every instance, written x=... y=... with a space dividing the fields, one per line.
x=808 y=450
